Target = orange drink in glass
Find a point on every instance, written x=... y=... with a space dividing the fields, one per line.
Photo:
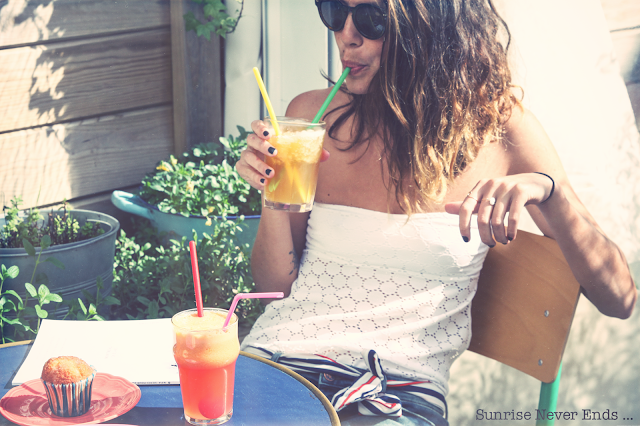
x=206 y=355
x=293 y=185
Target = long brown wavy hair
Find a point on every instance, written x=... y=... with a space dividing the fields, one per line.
x=443 y=91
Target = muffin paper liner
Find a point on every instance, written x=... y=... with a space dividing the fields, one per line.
x=70 y=400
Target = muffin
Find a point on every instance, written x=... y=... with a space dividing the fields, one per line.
x=68 y=381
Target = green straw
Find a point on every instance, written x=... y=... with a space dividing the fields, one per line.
x=335 y=89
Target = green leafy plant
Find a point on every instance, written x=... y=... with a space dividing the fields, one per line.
x=216 y=21
x=27 y=316
x=203 y=182
x=152 y=280
x=79 y=311
x=30 y=227
x=23 y=316
x=7 y=305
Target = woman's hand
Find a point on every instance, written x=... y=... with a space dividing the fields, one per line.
x=493 y=199
x=252 y=166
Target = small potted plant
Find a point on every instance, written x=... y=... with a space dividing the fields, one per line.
x=191 y=192
x=70 y=249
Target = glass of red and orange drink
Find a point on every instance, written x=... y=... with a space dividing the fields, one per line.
x=206 y=354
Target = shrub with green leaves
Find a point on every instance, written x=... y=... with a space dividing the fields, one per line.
x=152 y=280
x=24 y=315
x=203 y=182
x=20 y=318
x=216 y=21
x=60 y=228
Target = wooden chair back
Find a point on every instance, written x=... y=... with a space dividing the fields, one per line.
x=526 y=300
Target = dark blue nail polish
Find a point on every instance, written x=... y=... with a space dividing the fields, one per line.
x=262 y=180
x=465 y=239
x=268 y=172
x=271 y=150
x=265 y=133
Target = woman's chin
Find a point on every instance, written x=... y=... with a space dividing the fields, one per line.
x=358 y=87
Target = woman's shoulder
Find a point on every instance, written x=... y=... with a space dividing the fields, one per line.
x=528 y=146
x=307 y=104
x=519 y=118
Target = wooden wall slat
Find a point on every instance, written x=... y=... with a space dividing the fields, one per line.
x=197 y=81
x=32 y=21
x=47 y=84
x=627 y=47
x=179 y=69
x=621 y=13
x=85 y=157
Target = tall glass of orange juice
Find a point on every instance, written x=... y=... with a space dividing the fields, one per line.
x=293 y=185
x=206 y=354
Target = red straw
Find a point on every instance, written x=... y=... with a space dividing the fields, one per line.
x=196 y=276
x=276 y=295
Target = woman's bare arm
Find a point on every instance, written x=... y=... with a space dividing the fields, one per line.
x=597 y=262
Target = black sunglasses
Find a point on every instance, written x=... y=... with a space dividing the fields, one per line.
x=369 y=19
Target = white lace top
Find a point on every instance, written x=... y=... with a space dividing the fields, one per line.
x=372 y=280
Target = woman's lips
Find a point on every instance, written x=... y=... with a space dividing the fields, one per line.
x=355 y=67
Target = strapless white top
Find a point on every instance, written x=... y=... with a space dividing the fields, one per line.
x=370 y=280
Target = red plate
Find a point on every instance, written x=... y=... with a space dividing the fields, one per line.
x=111 y=397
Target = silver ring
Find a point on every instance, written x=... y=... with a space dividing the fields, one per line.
x=492 y=201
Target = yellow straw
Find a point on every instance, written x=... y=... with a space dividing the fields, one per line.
x=267 y=102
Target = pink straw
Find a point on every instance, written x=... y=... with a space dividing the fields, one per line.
x=196 y=276
x=275 y=295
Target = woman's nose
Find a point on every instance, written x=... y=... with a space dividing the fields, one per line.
x=350 y=35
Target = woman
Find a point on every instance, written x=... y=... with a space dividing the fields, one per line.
x=433 y=160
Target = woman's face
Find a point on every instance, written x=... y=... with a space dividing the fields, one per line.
x=361 y=54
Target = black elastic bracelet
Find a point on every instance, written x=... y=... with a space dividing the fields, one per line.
x=553 y=186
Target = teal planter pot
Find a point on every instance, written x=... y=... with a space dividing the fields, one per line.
x=178 y=224
x=84 y=261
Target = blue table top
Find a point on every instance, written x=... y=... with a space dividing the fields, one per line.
x=264 y=395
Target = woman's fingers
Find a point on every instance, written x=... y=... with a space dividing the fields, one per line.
x=499 y=204
x=261 y=129
x=252 y=169
x=485 y=214
x=259 y=139
x=498 y=214
x=467 y=208
x=518 y=202
x=453 y=207
x=251 y=166
x=488 y=202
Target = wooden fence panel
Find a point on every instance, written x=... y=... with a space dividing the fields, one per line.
x=46 y=84
x=80 y=158
x=197 y=81
x=32 y=21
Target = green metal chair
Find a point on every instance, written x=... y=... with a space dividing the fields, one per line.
x=522 y=312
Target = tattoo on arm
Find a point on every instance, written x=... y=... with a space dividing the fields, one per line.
x=294 y=260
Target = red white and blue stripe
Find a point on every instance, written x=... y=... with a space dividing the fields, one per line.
x=369 y=387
